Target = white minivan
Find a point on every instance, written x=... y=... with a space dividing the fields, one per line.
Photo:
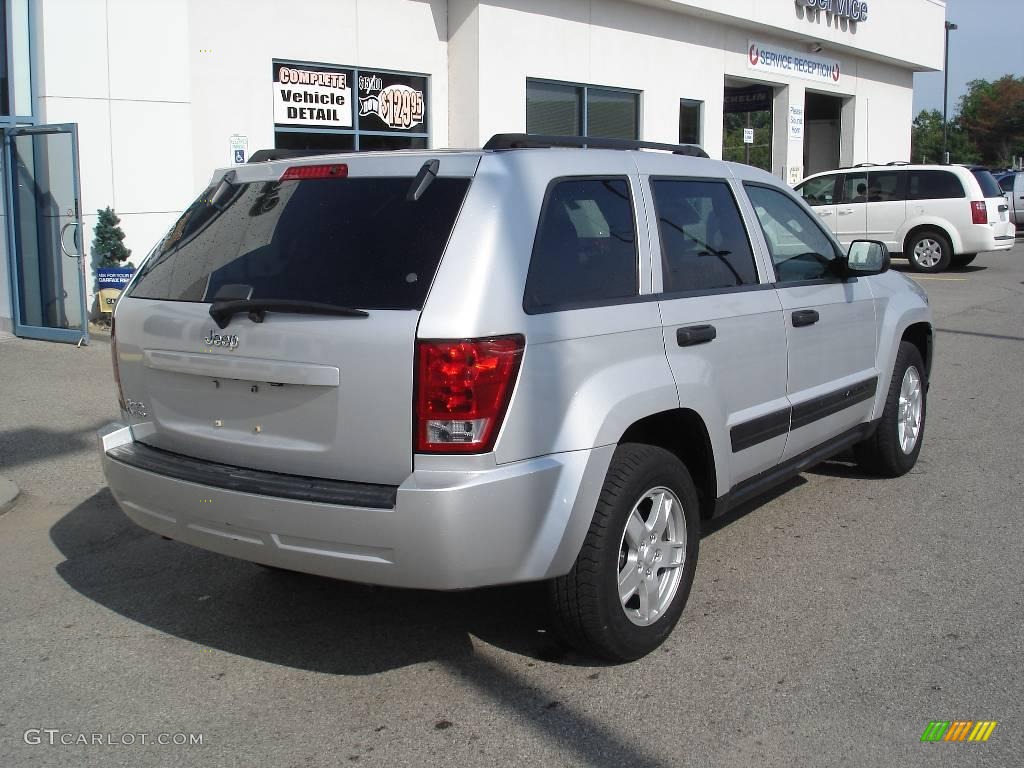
x=936 y=216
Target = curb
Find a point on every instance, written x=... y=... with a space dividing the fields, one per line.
x=8 y=494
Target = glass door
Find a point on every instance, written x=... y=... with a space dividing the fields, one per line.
x=49 y=273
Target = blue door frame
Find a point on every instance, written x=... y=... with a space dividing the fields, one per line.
x=69 y=217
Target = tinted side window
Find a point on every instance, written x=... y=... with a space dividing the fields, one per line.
x=703 y=242
x=819 y=191
x=934 y=185
x=800 y=248
x=886 y=186
x=585 y=251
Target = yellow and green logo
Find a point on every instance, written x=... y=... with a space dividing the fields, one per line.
x=959 y=730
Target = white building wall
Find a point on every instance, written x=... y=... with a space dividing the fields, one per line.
x=668 y=55
x=235 y=41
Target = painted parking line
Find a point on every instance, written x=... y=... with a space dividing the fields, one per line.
x=950 y=279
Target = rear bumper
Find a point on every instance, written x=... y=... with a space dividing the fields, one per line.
x=521 y=521
x=982 y=239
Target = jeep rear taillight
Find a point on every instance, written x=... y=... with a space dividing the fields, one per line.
x=113 y=359
x=462 y=392
x=979 y=212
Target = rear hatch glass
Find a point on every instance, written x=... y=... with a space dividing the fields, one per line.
x=989 y=185
x=318 y=395
x=350 y=242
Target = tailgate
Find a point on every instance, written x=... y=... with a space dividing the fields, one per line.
x=284 y=390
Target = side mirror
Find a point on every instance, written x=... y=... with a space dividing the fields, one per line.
x=867 y=257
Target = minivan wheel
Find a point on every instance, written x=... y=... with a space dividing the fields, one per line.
x=963 y=260
x=894 y=447
x=929 y=251
x=632 y=577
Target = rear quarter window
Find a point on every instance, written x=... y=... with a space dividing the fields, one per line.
x=934 y=185
x=585 y=252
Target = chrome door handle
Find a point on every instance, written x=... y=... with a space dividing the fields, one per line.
x=824 y=213
x=61 y=238
x=847 y=212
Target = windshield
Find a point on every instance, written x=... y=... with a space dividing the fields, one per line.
x=347 y=242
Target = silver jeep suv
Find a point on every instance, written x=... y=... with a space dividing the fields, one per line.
x=451 y=369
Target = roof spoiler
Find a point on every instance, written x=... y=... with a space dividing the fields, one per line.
x=528 y=141
x=268 y=155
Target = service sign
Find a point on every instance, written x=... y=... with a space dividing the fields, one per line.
x=312 y=96
x=776 y=60
x=390 y=102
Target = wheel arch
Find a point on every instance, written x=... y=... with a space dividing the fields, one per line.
x=682 y=432
x=922 y=336
x=950 y=234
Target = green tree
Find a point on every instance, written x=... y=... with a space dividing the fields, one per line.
x=108 y=242
x=926 y=140
x=993 y=115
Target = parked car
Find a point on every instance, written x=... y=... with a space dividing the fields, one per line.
x=453 y=369
x=1012 y=185
x=936 y=216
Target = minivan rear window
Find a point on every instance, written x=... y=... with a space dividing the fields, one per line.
x=353 y=242
x=989 y=185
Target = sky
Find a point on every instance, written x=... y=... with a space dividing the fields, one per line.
x=988 y=44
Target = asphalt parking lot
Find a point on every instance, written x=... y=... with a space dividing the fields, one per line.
x=829 y=622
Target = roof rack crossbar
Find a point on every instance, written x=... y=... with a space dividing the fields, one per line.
x=530 y=141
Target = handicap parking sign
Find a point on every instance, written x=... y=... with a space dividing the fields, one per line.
x=239 y=148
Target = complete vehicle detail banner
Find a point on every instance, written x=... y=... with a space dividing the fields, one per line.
x=784 y=61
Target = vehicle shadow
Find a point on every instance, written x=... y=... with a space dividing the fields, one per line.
x=31 y=444
x=902 y=265
x=295 y=620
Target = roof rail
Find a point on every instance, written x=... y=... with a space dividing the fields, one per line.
x=529 y=141
x=268 y=155
x=898 y=162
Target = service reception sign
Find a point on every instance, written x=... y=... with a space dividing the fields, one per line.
x=312 y=96
x=776 y=60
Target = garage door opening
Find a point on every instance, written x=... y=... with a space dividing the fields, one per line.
x=822 y=132
x=748 y=123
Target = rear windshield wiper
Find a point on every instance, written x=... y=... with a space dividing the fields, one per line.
x=223 y=311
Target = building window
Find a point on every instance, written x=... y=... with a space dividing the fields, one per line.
x=565 y=109
x=15 y=66
x=326 y=107
x=691 y=122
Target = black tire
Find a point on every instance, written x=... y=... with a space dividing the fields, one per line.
x=882 y=454
x=588 y=613
x=929 y=239
x=961 y=261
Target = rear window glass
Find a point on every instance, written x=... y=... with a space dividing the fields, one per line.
x=704 y=244
x=989 y=185
x=934 y=185
x=1006 y=183
x=586 y=250
x=349 y=242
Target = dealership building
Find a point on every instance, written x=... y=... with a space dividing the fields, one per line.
x=132 y=103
